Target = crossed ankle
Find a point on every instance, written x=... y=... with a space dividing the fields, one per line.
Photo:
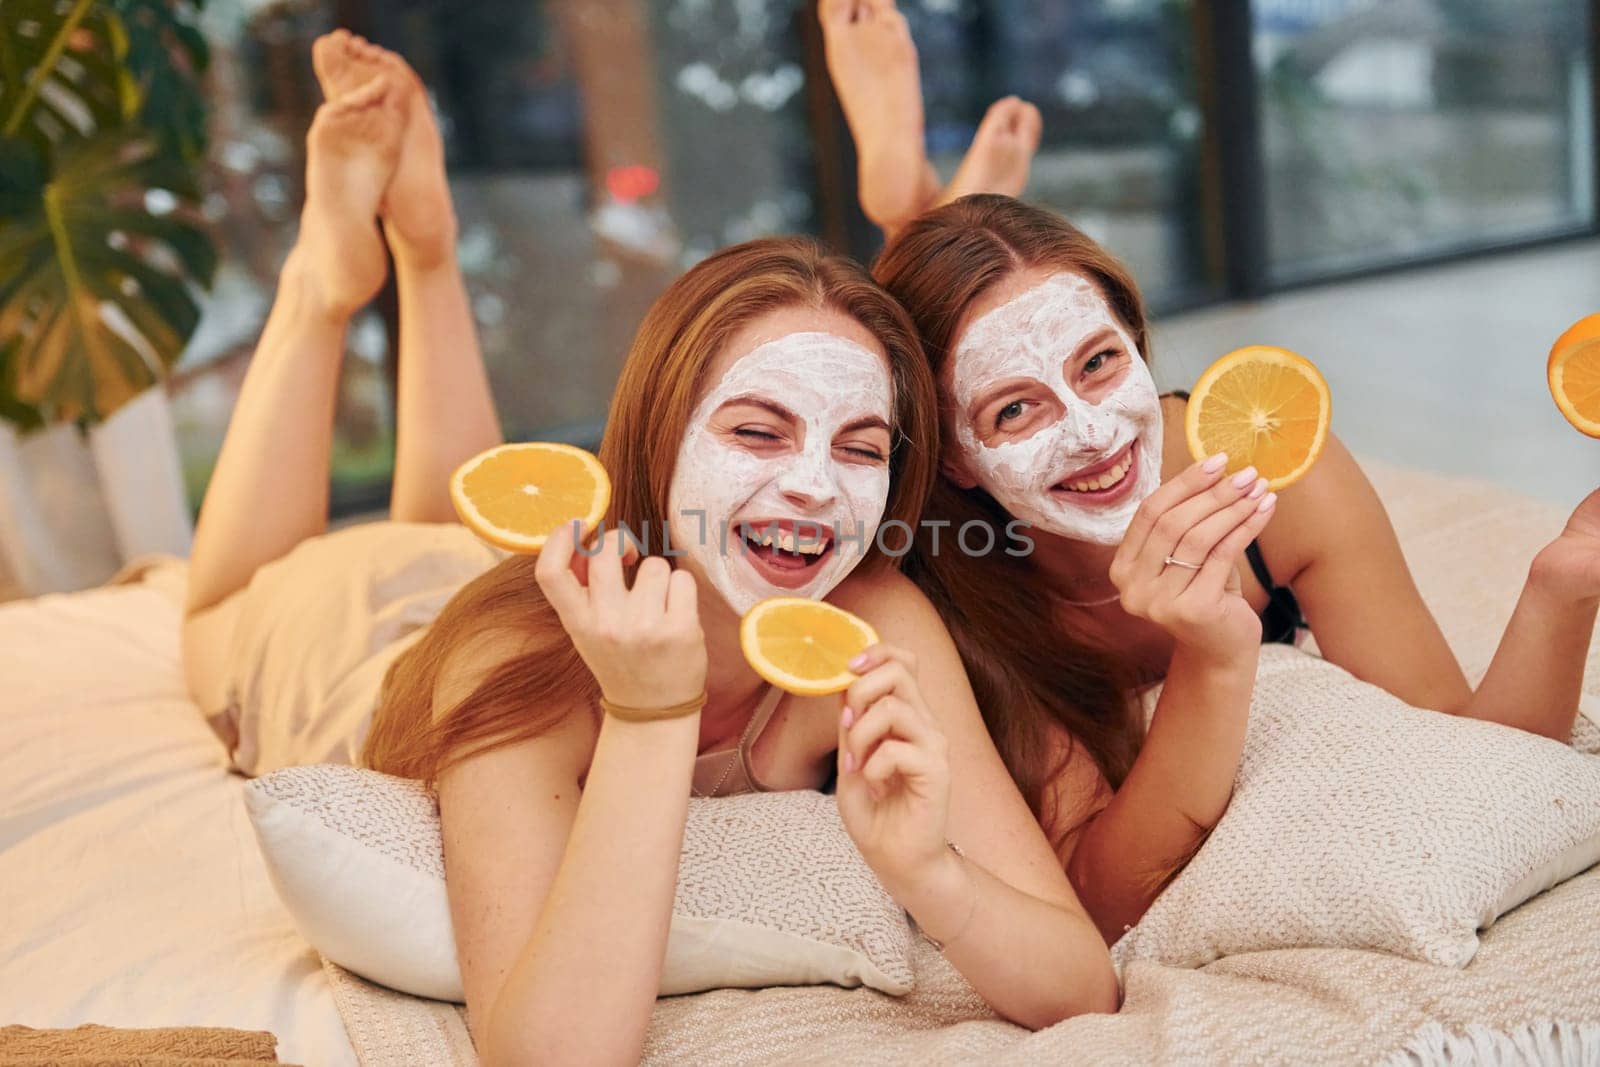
x=422 y=252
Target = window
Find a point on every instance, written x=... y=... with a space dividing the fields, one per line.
x=1394 y=129
x=1116 y=85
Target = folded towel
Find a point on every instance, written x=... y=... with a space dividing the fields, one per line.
x=108 y=1046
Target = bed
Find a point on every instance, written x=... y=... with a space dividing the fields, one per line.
x=133 y=893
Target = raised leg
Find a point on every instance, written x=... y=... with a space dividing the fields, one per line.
x=444 y=412
x=1000 y=154
x=270 y=487
x=873 y=64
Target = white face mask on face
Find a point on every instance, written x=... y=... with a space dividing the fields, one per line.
x=719 y=487
x=1033 y=337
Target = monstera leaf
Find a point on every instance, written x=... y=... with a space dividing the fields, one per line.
x=96 y=279
x=62 y=70
x=79 y=67
x=166 y=54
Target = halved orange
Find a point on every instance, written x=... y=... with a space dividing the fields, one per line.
x=1266 y=408
x=804 y=646
x=1574 y=374
x=515 y=496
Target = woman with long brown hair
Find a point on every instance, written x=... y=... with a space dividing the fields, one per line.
x=1147 y=566
x=566 y=707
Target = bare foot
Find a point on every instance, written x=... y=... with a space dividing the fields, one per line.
x=1001 y=152
x=418 y=216
x=351 y=152
x=873 y=64
x=341 y=67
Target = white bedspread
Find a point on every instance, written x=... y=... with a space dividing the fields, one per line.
x=131 y=890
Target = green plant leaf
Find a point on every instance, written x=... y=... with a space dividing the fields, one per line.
x=62 y=70
x=166 y=56
x=96 y=291
x=12 y=410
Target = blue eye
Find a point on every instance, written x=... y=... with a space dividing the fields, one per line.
x=1099 y=360
x=1011 y=411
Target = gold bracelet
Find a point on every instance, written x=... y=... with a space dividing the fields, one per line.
x=972 y=909
x=676 y=711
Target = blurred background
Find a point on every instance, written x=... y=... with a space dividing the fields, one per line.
x=1402 y=190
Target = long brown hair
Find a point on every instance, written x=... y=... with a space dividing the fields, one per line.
x=1030 y=669
x=656 y=393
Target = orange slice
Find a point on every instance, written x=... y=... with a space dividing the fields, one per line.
x=1266 y=408
x=803 y=645
x=1574 y=373
x=515 y=496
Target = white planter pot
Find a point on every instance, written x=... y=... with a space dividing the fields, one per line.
x=73 y=511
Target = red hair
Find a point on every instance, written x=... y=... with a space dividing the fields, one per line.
x=656 y=393
x=997 y=606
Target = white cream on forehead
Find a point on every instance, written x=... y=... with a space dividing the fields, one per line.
x=1033 y=336
x=828 y=382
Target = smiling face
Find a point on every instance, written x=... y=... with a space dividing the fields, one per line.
x=786 y=459
x=1054 y=410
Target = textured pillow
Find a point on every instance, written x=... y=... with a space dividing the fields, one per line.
x=771 y=890
x=1358 y=821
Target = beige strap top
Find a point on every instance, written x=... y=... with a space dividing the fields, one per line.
x=728 y=772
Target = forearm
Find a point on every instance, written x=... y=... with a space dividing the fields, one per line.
x=441 y=368
x=584 y=986
x=1034 y=962
x=1536 y=677
x=1175 y=793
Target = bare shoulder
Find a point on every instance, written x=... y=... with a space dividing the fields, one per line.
x=900 y=612
x=1331 y=511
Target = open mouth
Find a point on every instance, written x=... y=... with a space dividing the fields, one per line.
x=784 y=551
x=1105 y=481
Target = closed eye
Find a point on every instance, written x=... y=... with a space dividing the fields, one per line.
x=756 y=435
x=865 y=453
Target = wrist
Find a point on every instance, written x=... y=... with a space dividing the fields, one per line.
x=947 y=899
x=1547 y=589
x=1230 y=660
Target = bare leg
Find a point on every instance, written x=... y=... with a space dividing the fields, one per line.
x=1001 y=152
x=445 y=413
x=270 y=487
x=873 y=64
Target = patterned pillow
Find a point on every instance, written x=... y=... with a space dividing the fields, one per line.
x=1358 y=821
x=771 y=890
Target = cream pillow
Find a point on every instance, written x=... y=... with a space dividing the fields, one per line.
x=1358 y=821
x=771 y=890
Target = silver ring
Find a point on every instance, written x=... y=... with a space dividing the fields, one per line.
x=1172 y=562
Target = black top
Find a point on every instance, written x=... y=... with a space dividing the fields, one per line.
x=1281 y=618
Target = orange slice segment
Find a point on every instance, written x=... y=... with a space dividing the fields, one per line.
x=1266 y=408
x=803 y=645
x=1574 y=374
x=515 y=496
